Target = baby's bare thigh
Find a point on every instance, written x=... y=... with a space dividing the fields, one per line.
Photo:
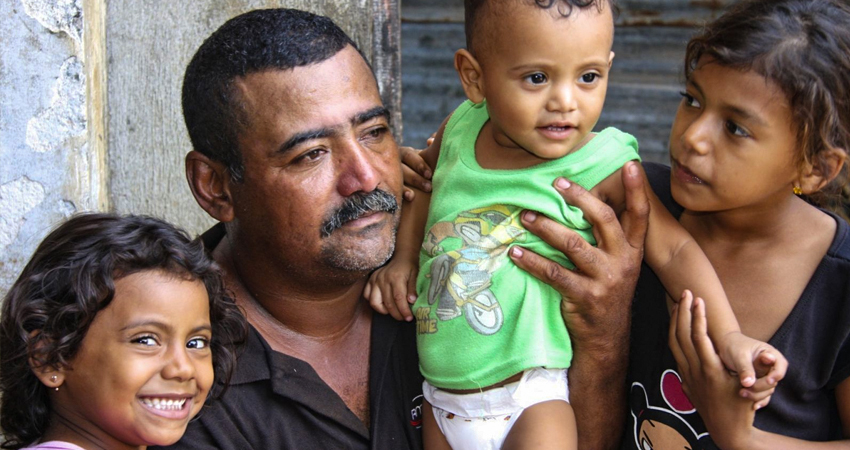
x=547 y=425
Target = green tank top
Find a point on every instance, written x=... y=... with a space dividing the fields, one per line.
x=480 y=318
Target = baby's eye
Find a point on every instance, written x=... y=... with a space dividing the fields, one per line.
x=536 y=78
x=735 y=129
x=689 y=99
x=148 y=341
x=198 y=343
x=589 y=78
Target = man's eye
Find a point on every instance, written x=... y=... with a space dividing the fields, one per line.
x=377 y=132
x=311 y=155
x=536 y=78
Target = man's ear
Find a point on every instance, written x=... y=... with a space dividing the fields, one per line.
x=470 y=75
x=815 y=177
x=210 y=183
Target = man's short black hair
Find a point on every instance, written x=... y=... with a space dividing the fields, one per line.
x=252 y=42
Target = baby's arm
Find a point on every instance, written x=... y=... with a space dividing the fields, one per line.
x=392 y=288
x=680 y=264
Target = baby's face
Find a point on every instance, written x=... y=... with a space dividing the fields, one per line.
x=145 y=366
x=545 y=76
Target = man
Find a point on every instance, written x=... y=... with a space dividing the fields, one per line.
x=294 y=155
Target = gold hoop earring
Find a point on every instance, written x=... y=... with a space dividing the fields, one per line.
x=797 y=190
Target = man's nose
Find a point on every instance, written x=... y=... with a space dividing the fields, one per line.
x=356 y=170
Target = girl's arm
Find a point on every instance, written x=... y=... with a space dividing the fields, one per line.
x=391 y=288
x=728 y=417
x=681 y=265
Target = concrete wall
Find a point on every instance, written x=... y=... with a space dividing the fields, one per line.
x=90 y=114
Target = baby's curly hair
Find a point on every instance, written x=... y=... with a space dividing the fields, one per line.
x=70 y=278
x=473 y=11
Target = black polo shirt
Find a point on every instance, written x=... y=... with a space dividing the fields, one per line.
x=276 y=401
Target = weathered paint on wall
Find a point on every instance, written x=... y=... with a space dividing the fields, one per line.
x=45 y=166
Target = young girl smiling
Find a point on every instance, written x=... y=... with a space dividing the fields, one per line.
x=111 y=336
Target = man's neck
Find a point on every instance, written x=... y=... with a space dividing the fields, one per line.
x=280 y=308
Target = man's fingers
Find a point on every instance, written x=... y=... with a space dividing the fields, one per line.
x=546 y=270
x=605 y=224
x=583 y=255
x=635 y=218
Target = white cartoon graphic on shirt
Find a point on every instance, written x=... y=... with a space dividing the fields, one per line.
x=461 y=278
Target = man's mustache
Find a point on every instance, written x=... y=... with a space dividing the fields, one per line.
x=356 y=206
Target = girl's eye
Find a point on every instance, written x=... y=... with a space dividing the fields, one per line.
x=198 y=343
x=147 y=341
x=734 y=129
x=589 y=78
x=536 y=78
x=689 y=99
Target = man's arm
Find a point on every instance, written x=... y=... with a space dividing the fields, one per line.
x=596 y=300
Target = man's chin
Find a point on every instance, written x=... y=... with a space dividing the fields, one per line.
x=366 y=256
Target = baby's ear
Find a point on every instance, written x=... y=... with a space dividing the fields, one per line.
x=815 y=177
x=470 y=75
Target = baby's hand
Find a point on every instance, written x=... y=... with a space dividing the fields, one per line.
x=392 y=288
x=759 y=366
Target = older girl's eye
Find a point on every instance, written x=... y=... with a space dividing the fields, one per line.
x=536 y=78
x=736 y=130
x=689 y=99
x=198 y=343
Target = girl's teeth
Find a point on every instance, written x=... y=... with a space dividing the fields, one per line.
x=164 y=404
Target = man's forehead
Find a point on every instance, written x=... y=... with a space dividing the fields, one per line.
x=311 y=89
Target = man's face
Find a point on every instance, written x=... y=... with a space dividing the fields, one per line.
x=321 y=171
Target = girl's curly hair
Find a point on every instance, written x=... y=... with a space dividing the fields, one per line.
x=70 y=278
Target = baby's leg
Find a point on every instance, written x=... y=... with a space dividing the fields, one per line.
x=547 y=425
x=432 y=437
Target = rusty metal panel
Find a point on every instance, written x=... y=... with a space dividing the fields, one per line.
x=645 y=80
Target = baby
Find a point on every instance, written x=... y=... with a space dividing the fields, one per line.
x=112 y=336
x=493 y=348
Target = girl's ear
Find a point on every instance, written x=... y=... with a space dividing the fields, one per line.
x=815 y=177
x=51 y=377
x=470 y=75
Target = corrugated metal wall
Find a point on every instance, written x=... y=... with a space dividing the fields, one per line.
x=645 y=81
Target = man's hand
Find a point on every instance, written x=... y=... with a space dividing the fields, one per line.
x=597 y=295
x=596 y=299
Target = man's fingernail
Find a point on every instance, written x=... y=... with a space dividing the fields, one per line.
x=516 y=252
x=562 y=183
x=530 y=216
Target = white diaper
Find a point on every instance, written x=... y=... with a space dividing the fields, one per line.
x=482 y=420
